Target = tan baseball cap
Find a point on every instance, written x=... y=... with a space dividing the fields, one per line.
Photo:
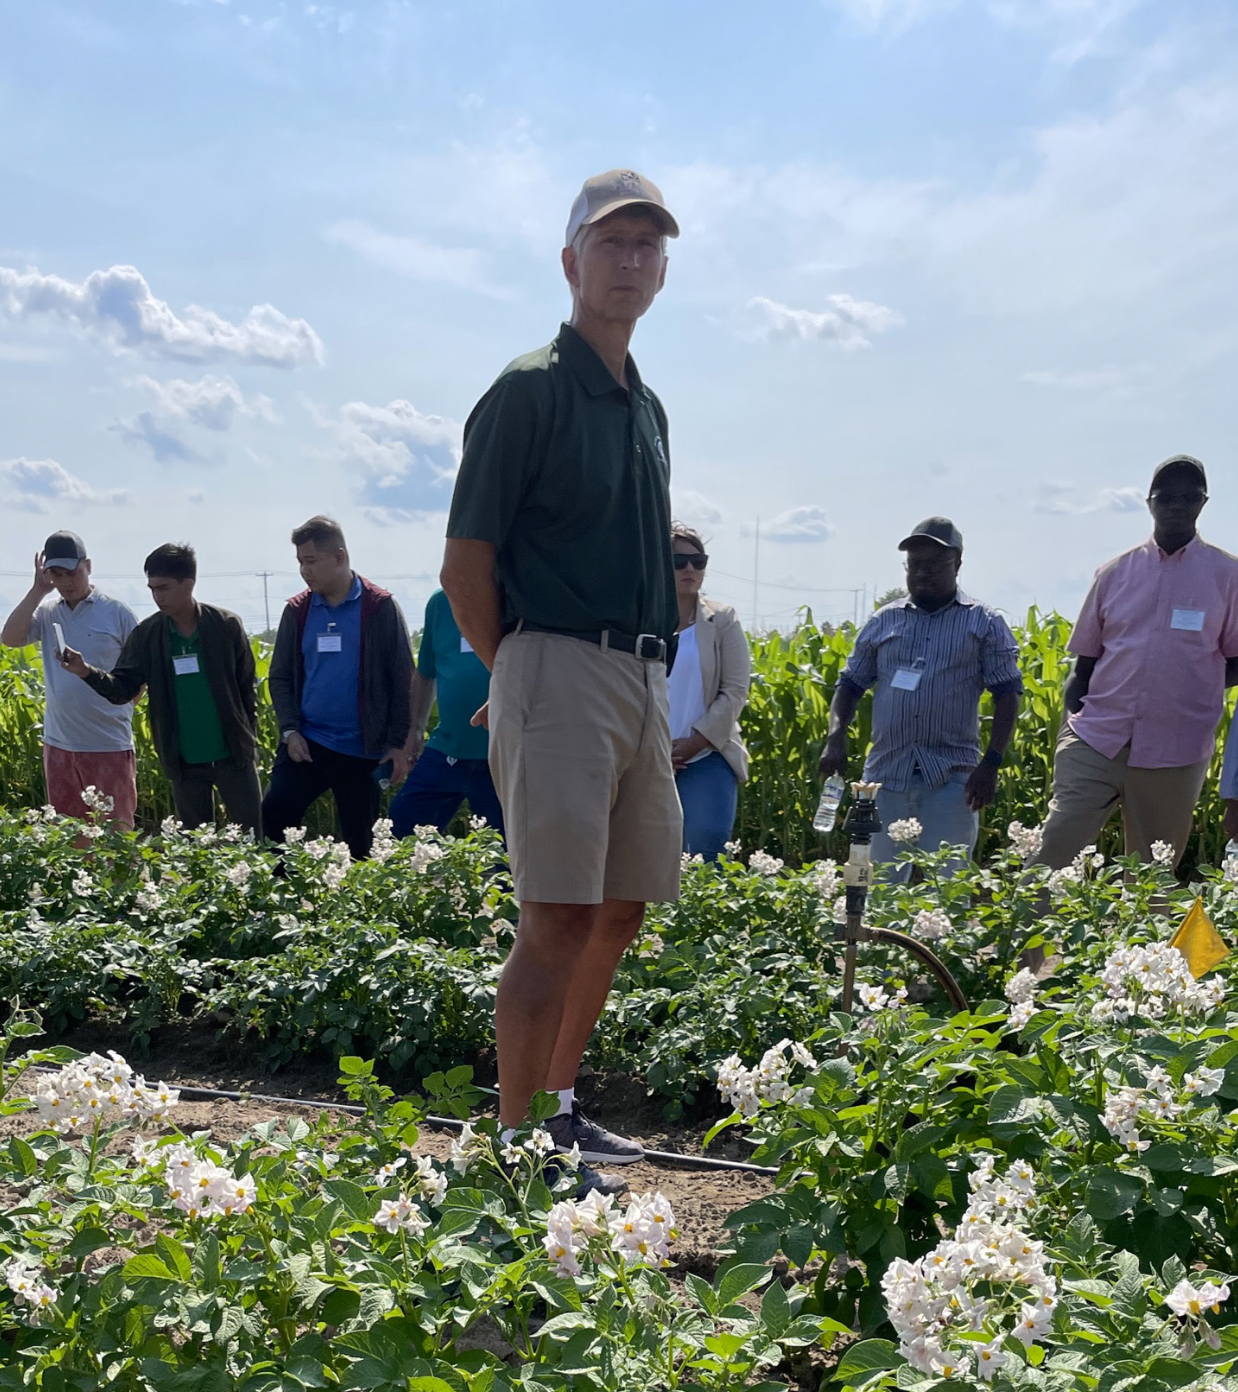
x=607 y=193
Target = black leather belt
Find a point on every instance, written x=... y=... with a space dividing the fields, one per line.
x=647 y=646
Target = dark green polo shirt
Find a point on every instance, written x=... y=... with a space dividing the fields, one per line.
x=567 y=474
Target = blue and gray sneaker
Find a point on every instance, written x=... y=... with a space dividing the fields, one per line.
x=597 y=1145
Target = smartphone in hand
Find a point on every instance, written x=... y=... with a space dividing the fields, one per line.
x=382 y=774
x=60 y=643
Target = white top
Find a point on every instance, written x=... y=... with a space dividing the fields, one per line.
x=77 y=718
x=685 y=688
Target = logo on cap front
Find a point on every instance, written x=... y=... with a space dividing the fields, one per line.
x=630 y=181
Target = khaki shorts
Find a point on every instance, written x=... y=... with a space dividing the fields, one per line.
x=580 y=750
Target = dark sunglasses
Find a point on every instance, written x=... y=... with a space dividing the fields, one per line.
x=697 y=561
x=1189 y=496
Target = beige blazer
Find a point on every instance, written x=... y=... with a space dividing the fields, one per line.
x=726 y=669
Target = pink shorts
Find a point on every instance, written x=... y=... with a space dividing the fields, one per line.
x=112 y=772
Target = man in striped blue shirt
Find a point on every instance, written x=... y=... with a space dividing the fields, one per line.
x=930 y=657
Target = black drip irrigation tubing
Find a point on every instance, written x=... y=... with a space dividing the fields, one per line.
x=662 y=1157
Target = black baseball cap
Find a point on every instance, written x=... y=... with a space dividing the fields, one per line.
x=1180 y=464
x=64 y=549
x=938 y=529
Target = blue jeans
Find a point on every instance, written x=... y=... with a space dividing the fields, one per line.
x=708 y=791
x=433 y=791
x=942 y=812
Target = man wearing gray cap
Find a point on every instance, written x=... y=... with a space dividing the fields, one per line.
x=87 y=742
x=1156 y=644
x=559 y=572
x=930 y=658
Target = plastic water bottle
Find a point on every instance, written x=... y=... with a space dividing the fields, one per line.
x=826 y=815
x=1231 y=852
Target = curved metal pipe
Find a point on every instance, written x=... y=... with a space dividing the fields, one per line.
x=927 y=956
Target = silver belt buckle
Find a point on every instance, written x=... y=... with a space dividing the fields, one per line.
x=658 y=645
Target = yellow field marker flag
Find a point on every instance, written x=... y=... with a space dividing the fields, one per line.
x=1199 y=942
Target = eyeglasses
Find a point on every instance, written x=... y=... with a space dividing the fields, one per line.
x=1189 y=496
x=697 y=560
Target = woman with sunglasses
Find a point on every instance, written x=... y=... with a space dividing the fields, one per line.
x=708 y=688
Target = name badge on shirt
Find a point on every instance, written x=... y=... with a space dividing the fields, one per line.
x=906 y=679
x=465 y=645
x=1190 y=619
x=186 y=665
x=330 y=642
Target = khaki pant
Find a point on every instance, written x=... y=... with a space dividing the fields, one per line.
x=1157 y=804
x=580 y=750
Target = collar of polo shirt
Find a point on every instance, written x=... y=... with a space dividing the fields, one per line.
x=591 y=370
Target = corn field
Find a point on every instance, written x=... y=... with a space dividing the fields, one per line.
x=794 y=675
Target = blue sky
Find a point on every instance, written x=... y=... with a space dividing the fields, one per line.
x=258 y=260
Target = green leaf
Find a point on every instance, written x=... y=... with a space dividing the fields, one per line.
x=737 y=1280
x=24 y=1156
x=355 y=1067
x=1111 y=1193
x=898 y=1181
x=702 y=1292
x=86 y=1241
x=861 y=1362
x=174 y=1255
x=358 y=1203
x=1013 y=1106
x=147 y=1266
x=775 y=1309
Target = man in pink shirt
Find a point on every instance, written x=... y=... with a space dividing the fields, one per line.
x=1157 y=644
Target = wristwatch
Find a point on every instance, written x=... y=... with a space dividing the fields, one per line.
x=283 y=735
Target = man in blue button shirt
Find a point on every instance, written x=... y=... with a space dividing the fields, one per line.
x=930 y=657
x=339 y=681
x=452 y=764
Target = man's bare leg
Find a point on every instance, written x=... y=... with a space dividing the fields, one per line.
x=616 y=924
x=534 y=989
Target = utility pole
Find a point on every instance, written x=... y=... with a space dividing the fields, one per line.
x=266 y=599
x=756 y=574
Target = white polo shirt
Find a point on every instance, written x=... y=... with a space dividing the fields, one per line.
x=76 y=718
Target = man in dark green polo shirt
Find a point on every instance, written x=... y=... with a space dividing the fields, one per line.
x=452 y=765
x=558 y=568
x=198 y=668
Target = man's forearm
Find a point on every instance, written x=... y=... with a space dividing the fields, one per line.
x=421 y=698
x=16 y=631
x=1077 y=685
x=843 y=708
x=1005 y=713
x=468 y=581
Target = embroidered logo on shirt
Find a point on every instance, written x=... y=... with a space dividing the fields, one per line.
x=660 y=451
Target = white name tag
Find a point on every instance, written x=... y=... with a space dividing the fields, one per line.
x=465 y=645
x=1190 y=619
x=906 y=679
x=330 y=642
x=186 y=665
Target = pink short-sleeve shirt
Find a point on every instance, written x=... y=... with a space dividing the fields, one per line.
x=1162 y=628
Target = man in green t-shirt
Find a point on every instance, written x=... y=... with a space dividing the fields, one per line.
x=558 y=568
x=198 y=668
x=452 y=765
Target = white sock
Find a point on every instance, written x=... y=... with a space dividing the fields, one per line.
x=566 y=1097
x=505 y=1136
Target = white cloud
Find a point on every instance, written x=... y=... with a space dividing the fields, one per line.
x=690 y=506
x=35 y=484
x=25 y=353
x=403 y=462
x=849 y=322
x=417 y=259
x=1057 y=499
x=798 y=524
x=163 y=440
x=116 y=307
x=213 y=402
